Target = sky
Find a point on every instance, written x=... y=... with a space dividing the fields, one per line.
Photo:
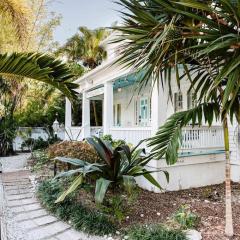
x=90 y=13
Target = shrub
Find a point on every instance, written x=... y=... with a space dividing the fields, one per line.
x=74 y=149
x=121 y=166
x=115 y=143
x=186 y=218
x=155 y=232
x=40 y=143
x=82 y=218
x=39 y=158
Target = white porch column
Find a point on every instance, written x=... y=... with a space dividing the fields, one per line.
x=108 y=107
x=85 y=116
x=159 y=109
x=159 y=106
x=68 y=117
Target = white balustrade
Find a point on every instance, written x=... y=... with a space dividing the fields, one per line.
x=131 y=134
x=202 y=138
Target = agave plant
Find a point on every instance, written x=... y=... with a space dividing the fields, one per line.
x=119 y=168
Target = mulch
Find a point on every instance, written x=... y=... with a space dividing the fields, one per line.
x=206 y=202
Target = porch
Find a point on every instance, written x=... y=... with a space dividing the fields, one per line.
x=132 y=116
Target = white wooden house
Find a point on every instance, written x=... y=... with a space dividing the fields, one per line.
x=133 y=116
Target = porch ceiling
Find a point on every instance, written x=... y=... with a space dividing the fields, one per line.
x=128 y=80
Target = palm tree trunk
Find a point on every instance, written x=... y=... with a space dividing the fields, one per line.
x=95 y=113
x=228 y=196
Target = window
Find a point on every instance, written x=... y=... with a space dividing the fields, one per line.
x=117 y=114
x=76 y=120
x=144 y=111
x=191 y=102
x=136 y=112
x=178 y=102
x=114 y=115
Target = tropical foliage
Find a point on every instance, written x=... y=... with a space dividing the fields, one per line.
x=20 y=21
x=41 y=105
x=120 y=166
x=83 y=218
x=155 y=232
x=159 y=36
x=85 y=47
x=15 y=18
x=41 y=67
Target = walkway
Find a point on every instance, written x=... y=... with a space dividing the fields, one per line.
x=22 y=217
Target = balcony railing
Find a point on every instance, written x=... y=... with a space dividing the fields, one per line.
x=197 y=138
x=202 y=138
x=131 y=134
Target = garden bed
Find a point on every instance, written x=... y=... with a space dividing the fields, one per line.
x=207 y=203
x=147 y=208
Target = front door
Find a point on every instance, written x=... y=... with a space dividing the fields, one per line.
x=144 y=112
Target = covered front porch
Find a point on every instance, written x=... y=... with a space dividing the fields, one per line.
x=133 y=116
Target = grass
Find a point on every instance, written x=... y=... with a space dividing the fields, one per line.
x=82 y=218
x=155 y=232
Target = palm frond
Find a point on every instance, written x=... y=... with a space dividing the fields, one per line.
x=40 y=67
x=167 y=140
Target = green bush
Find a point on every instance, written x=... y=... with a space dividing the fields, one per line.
x=155 y=232
x=186 y=218
x=40 y=143
x=40 y=158
x=82 y=218
x=115 y=143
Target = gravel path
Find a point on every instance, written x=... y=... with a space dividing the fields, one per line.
x=22 y=216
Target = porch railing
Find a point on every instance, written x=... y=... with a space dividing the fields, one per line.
x=197 y=138
x=131 y=134
x=202 y=138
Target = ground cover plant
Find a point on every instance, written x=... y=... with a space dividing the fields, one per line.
x=81 y=217
x=96 y=220
x=150 y=208
x=155 y=232
x=39 y=161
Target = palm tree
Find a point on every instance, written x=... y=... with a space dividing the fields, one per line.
x=16 y=66
x=159 y=35
x=85 y=46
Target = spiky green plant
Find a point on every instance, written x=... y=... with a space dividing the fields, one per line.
x=120 y=167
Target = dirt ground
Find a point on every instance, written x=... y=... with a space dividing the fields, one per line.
x=207 y=203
